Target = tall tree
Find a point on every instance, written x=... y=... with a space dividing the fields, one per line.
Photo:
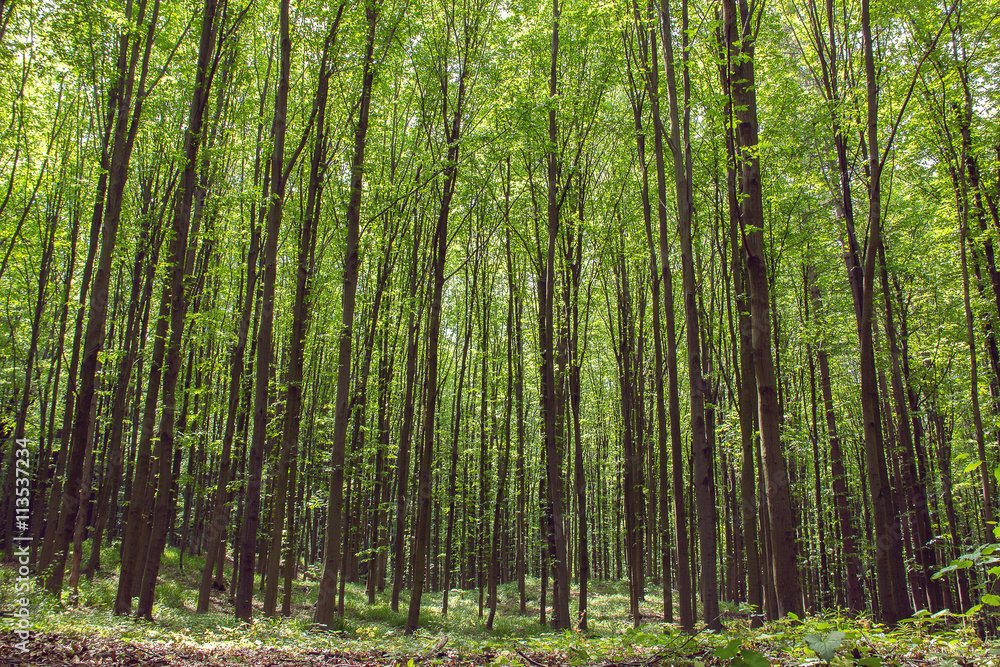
x=468 y=26
x=701 y=453
x=326 y=604
x=300 y=319
x=740 y=24
x=181 y=258
x=265 y=332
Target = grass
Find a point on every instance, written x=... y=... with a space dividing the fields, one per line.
x=941 y=641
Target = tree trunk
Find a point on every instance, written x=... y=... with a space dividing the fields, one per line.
x=841 y=494
x=550 y=396
x=300 y=323
x=776 y=481
x=331 y=566
x=181 y=258
x=439 y=244
x=889 y=568
x=680 y=143
x=456 y=431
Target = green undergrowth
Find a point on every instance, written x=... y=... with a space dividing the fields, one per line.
x=828 y=639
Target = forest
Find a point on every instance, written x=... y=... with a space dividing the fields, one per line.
x=314 y=308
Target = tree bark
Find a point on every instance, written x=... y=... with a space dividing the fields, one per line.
x=680 y=144
x=841 y=494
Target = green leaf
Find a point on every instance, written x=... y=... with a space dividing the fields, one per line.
x=872 y=661
x=992 y=600
x=943 y=571
x=754 y=659
x=825 y=648
x=729 y=651
x=972 y=466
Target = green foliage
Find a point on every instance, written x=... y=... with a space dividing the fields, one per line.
x=981 y=555
x=825 y=646
x=66 y=54
x=740 y=657
x=790 y=642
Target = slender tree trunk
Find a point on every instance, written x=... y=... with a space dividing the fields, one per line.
x=627 y=353
x=889 y=568
x=140 y=294
x=181 y=258
x=80 y=527
x=299 y=326
x=985 y=472
x=381 y=492
x=841 y=495
x=652 y=83
x=265 y=333
x=439 y=244
x=406 y=429
x=332 y=561
x=553 y=445
x=746 y=380
x=910 y=482
x=680 y=142
x=574 y=260
x=456 y=431
x=9 y=502
x=215 y=550
x=776 y=480
x=498 y=529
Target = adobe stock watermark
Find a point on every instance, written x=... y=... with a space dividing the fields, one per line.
x=21 y=621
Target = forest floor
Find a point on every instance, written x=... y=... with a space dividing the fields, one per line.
x=81 y=630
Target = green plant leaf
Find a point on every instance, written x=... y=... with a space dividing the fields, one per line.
x=943 y=571
x=825 y=648
x=972 y=466
x=753 y=659
x=871 y=661
x=729 y=651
